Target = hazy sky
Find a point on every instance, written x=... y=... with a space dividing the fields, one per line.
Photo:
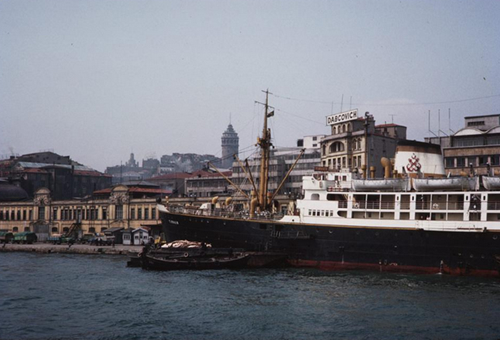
x=97 y=80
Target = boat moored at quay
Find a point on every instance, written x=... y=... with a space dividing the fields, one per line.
x=404 y=223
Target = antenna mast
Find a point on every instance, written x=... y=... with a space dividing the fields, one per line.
x=429 y=120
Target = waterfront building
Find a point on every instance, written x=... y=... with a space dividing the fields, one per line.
x=121 y=206
x=357 y=141
x=476 y=145
x=230 y=147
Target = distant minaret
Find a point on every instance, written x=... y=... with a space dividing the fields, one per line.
x=230 y=146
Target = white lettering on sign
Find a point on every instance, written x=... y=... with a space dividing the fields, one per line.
x=341 y=117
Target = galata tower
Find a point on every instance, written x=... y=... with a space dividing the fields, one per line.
x=230 y=146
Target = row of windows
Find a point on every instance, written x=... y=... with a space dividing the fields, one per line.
x=343 y=162
x=476 y=141
x=341 y=128
x=12 y=215
x=461 y=162
x=78 y=214
x=322 y=213
x=16 y=229
x=206 y=184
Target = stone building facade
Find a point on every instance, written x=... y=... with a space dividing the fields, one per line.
x=357 y=142
x=120 y=206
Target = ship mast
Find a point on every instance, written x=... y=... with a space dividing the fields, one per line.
x=265 y=145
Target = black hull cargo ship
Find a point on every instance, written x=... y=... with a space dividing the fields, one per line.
x=397 y=249
x=431 y=225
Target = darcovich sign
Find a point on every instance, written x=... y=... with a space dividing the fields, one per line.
x=342 y=117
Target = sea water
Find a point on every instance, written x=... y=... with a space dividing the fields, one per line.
x=53 y=296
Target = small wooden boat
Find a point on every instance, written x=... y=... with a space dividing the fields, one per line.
x=194 y=263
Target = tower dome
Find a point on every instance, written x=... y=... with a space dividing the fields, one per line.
x=230 y=146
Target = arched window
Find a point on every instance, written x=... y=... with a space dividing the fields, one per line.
x=344 y=128
x=315 y=197
x=348 y=127
x=91 y=230
x=336 y=147
x=15 y=229
x=324 y=149
x=65 y=229
x=54 y=230
x=334 y=130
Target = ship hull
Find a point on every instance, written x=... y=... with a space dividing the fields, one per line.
x=346 y=247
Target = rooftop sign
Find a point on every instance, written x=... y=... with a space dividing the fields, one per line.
x=342 y=117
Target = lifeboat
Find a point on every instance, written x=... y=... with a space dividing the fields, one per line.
x=448 y=184
x=388 y=184
x=491 y=183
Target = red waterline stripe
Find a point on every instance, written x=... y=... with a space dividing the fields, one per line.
x=393 y=268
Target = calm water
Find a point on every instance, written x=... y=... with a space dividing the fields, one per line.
x=98 y=297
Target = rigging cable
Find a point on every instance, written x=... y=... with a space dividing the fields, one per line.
x=375 y=104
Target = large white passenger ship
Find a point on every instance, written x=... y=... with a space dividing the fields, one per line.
x=415 y=219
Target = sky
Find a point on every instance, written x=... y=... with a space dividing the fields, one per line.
x=98 y=80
